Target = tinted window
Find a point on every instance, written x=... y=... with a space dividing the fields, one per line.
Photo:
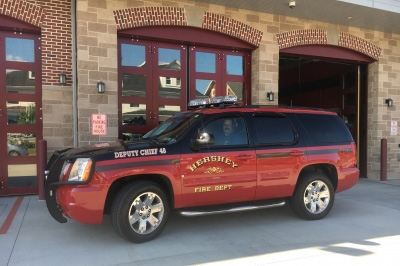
x=274 y=129
x=325 y=128
x=173 y=128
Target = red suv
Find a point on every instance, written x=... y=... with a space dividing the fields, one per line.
x=214 y=159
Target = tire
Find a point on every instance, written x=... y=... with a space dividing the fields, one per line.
x=313 y=197
x=146 y=204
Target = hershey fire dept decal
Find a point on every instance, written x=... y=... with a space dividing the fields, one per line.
x=212 y=170
x=137 y=153
x=210 y=159
x=213 y=188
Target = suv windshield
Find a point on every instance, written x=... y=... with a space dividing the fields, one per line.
x=172 y=128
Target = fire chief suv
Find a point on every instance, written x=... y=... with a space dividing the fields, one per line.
x=216 y=158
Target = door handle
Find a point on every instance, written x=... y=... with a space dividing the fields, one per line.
x=244 y=156
x=1 y=112
x=296 y=153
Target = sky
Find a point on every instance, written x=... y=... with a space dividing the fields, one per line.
x=21 y=50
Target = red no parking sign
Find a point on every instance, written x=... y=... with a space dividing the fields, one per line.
x=99 y=125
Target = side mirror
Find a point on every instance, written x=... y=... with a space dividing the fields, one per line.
x=202 y=139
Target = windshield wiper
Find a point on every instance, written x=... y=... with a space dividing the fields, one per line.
x=153 y=139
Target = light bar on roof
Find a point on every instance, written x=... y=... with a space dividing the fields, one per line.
x=230 y=99
x=199 y=102
x=217 y=100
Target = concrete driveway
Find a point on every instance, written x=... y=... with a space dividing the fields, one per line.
x=363 y=228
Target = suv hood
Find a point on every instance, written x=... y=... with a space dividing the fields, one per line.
x=100 y=149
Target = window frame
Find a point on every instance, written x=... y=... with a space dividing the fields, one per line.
x=152 y=99
x=221 y=77
x=186 y=37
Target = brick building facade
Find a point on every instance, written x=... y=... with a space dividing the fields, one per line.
x=100 y=24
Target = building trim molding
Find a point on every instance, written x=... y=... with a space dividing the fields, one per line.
x=360 y=45
x=23 y=11
x=320 y=37
x=173 y=16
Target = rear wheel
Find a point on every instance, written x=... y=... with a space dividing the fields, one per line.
x=313 y=198
x=140 y=211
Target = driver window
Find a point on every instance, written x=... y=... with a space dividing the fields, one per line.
x=228 y=131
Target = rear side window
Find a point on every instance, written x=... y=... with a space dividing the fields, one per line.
x=273 y=130
x=325 y=128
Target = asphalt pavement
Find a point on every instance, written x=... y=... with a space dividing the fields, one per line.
x=363 y=228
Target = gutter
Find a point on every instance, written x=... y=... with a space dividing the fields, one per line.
x=74 y=75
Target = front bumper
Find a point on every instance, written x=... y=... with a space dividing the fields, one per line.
x=80 y=201
x=53 y=170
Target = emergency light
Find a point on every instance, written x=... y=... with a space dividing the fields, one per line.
x=215 y=101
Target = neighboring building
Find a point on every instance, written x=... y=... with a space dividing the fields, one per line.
x=153 y=56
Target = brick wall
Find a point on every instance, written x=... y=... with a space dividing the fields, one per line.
x=97 y=60
x=172 y=16
x=149 y=16
x=22 y=10
x=97 y=55
x=56 y=59
x=56 y=40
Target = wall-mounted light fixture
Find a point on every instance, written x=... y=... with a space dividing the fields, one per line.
x=270 y=96
x=389 y=102
x=62 y=78
x=101 y=87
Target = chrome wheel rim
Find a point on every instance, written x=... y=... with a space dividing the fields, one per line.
x=146 y=213
x=316 y=197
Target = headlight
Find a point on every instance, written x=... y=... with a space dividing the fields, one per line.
x=80 y=170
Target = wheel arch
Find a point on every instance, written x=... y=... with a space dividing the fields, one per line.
x=162 y=180
x=324 y=168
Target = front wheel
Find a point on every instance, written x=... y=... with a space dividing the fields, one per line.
x=140 y=211
x=313 y=198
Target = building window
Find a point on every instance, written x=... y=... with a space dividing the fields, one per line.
x=156 y=80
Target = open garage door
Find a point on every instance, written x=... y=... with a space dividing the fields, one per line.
x=336 y=85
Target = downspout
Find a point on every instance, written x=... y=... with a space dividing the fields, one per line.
x=74 y=75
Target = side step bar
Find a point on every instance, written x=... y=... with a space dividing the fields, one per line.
x=228 y=209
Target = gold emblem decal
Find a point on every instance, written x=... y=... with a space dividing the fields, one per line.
x=212 y=170
x=212 y=159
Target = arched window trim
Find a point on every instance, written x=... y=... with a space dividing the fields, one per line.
x=11 y=24
x=328 y=52
x=188 y=36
